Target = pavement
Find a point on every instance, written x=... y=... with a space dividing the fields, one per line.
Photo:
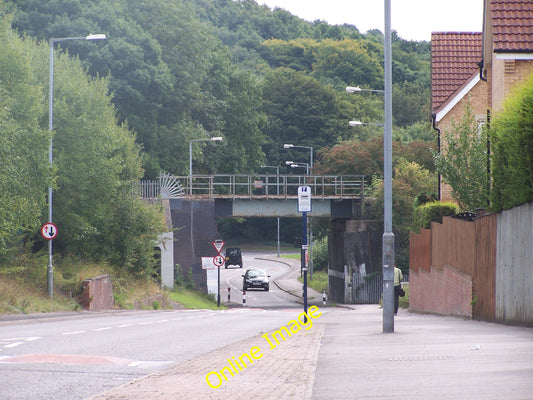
x=345 y=355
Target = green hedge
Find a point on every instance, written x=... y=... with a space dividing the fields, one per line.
x=432 y=212
x=511 y=136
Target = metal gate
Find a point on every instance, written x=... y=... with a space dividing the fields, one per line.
x=367 y=289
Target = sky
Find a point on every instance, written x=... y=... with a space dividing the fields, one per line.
x=411 y=19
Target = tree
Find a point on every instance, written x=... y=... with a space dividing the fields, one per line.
x=24 y=175
x=463 y=162
x=409 y=180
x=300 y=111
x=96 y=161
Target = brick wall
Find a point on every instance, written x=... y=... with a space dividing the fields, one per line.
x=97 y=294
x=441 y=291
x=506 y=74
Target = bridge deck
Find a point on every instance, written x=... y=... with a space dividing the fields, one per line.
x=255 y=186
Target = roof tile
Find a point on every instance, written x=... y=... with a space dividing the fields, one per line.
x=454 y=60
x=512 y=25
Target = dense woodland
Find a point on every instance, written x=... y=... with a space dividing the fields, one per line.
x=175 y=70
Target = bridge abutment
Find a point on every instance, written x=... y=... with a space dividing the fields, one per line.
x=354 y=248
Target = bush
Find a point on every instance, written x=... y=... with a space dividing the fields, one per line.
x=511 y=135
x=427 y=213
x=320 y=254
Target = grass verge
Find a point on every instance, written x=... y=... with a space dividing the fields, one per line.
x=194 y=300
x=319 y=282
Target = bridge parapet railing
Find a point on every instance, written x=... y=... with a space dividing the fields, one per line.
x=272 y=186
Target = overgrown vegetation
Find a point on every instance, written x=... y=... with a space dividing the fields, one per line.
x=430 y=212
x=511 y=135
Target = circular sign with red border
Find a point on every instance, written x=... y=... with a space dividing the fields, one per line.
x=218 y=261
x=49 y=231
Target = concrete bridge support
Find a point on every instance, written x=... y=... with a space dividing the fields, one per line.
x=354 y=253
x=195 y=228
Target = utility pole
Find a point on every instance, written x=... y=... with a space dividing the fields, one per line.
x=388 y=236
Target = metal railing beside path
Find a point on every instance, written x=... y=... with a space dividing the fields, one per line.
x=255 y=186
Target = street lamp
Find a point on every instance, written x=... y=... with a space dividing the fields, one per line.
x=50 y=269
x=293 y=164
x=277 y=191
x=355 y=89
x=359 y=123
x=290 y=146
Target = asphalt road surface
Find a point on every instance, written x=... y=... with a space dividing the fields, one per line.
x=275 y=298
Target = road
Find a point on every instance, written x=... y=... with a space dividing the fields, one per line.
x=74 y=356
x=275 y=298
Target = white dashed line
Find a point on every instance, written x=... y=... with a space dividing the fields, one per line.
x=15 y=344
x=74 y=333
x=101 y=329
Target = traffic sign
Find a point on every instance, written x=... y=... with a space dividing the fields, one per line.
x=218 y=261
x=49 y=231
x=218 y=245
x=304 y=199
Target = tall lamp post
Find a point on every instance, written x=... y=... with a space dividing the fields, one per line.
x=388 y=235
x=50 y=269
x=277 y=192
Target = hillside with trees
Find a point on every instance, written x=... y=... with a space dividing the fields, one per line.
x=175 y=70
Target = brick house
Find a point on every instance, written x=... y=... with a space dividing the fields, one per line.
x=480 y=67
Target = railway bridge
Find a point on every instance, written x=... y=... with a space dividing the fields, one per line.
x=192 y=204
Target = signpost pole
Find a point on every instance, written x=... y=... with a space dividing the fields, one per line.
x=218 y=245
x=304 y=261
x=218 y=289
x=304 y=206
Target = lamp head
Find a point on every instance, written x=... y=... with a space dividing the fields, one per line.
x=99 y=36
x=352 y=89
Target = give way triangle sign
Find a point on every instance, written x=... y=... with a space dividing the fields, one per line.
x=218 y=244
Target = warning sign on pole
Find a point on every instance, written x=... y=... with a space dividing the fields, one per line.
x=218 y=261
x=49 y=231
x=218 y=244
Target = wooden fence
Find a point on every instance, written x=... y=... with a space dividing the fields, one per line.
x=463 y=253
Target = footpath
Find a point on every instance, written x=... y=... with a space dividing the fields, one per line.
x=345 y=355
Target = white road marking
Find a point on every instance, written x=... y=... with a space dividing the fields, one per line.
x=11 y=345
x=101 y=329
x=74 y=333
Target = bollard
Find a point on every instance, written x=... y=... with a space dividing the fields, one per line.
x=229 y=294
x=324 y=297
x=244 y=298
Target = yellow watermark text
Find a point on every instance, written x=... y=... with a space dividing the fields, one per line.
x=237 y=364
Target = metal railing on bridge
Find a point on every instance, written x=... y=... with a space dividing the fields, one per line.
x=255 y=186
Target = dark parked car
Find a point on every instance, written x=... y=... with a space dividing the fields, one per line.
x=255 y=279
x=233 y=257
